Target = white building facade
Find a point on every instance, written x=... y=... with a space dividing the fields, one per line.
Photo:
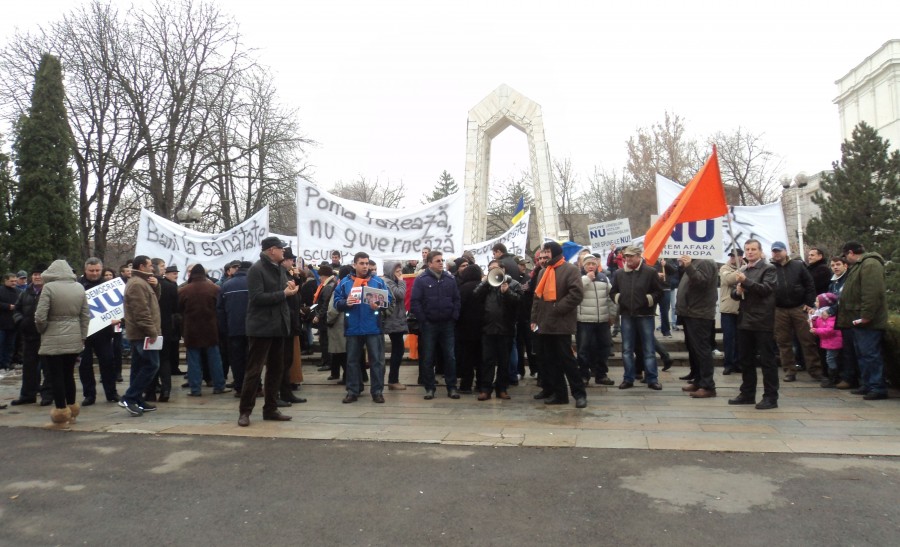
x=871 y=93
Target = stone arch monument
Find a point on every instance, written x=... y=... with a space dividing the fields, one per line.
x=506 y=107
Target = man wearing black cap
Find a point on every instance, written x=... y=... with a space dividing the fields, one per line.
x=268 y=324
x=554 y=317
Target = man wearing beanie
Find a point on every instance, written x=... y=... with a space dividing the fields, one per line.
x=554 y=318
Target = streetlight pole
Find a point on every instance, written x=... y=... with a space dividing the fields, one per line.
x=798 y=182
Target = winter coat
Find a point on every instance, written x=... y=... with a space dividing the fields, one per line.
x=337 y=341
x=325 y=294
x=197 y=306
x=793 y=285
x=561 y=316
x=396 y=321
x=169 y=317
x=757 y=306
x=435 y=299
x=8 y=298
x=821 y=275
x=268 y=315
x=697 y=290
x=498 y=308
x=829 y=337
x=835 y=287
x=359 y=319
x=62 y=315
x=597 y=306
x=24 y=314
x=636 y=292
x=141 y=307
x=231 y=305
x=727 y=281
x=863 y=294
x=471 y=310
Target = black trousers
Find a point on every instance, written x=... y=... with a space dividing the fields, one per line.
x=237 y=354
x=468 y=363
x=495 y=350
x=757 y=348
x=559 y=365
x=696 y=335
x=32 y=366
x=285 y=390
x=265 y=352
x=62 y=372
x=99 y=343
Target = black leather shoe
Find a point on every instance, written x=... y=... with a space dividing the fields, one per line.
x=543 y=395
x=655 y=386
x=46 y=402
x=604 y=381
x=556 y=401
x=324 y=368
x=726 y=372
x=20 y=401
x=453 y=394
x=164 y=397
x=280 y=403
x=742 y=400
x=429 y=395
x=378 y=398
x=88 y=401
x=766 y=404
x=580 y=402
x=294 y=399
x=687 y=378
x=277 y=417
x=873 y=396
x=349 y=399
x=626 y=385
x=221 y=391
x=667 y=365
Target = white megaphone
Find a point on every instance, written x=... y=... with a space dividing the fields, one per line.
x=497 y=277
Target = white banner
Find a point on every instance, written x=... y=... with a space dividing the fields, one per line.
x=326 y=222
x=183 y=247
x=698 y=239
x=604 y=235
x=515 y=240
x=106 y=302
x=762 y=222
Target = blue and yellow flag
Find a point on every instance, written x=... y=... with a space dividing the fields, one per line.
x=520 y=210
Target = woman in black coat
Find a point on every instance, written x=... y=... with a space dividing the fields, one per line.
x=468 y=327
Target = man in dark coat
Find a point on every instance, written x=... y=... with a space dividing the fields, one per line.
x=795 y=297
x=231 y=312
x=817 y=265
x=168 y=309
x=197 y=306
x=99 y=343
x=696 y=306
x=755 y=290
x=468 y=328
x=499 y=304
x=268 y=324
x=637 y=289
x=32 y=363
x=554 y=317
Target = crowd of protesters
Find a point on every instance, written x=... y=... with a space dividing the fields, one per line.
x=481 y=330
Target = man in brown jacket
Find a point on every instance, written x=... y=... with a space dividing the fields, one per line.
x=197 y=306
x=554 y=318
x=142 y=322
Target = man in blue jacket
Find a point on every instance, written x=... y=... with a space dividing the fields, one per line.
x=362 y=327
x=435 y=303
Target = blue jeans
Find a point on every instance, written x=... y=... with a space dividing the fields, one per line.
x=195 y=368
x=374 y=343
x=729 y=338
x=867 y=343
x=631 y=325
x=594 y=342
x=433 y=335
x=144 y=365
x=664 y=304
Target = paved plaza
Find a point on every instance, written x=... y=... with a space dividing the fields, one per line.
x=809 y=420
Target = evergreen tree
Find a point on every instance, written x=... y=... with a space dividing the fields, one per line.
x=858 y=201
x=43 y=225
x=443 y=187
x=6 y=192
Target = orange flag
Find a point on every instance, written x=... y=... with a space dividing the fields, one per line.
x=703 y=198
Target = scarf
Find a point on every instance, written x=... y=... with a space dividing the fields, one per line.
x=324 y=282
x=360 y=281
x=546 y=289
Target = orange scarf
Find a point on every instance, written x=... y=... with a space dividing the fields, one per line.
x=319 y=290
x=546 y=289
x=360 y=281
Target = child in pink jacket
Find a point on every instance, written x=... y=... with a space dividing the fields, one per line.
x=830 y=339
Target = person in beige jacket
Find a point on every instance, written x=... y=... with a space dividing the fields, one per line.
x=62 y=319
x=728 y=309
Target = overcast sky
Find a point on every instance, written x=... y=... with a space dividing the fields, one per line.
x=384 y=87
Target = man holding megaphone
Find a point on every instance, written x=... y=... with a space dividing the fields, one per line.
x=499 y=294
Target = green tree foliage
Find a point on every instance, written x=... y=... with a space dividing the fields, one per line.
x=859 y=201
x=44 y=226
x=443 y=187
x=7 y=187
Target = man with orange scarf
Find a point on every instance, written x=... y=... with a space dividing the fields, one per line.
x=554 y=319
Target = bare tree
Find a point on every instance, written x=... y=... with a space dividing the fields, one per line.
x=663 y=148
x=569 y=200
x=604 y=199
x=503 y=201
x=748 y=166
x=387 y=195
